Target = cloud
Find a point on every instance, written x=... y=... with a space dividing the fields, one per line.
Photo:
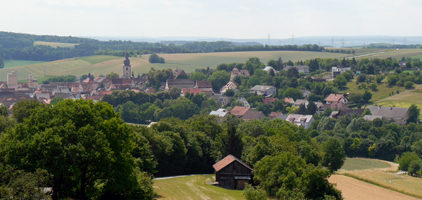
x=244 y=8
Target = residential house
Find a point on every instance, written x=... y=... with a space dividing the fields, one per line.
x=402 y=64
x=232 y=173
x=399 y=115
x=252 y=114
x=264 y=90
x=221 y=99
x=333 y=106
x=337 y=98
x=221 y=112
x=300 y=68
x=335 y=71
x=299 y=102
x=269 y=101
x=275 y=114
x=239 y=111
x=236 y=72
x=181 y=74
x=203 y=85
x=289 y=100
x=269 y=68
x=351 y=112
x=305 y=93
x=190 y=90
x=229 y=85
x=179 y=83
x=244 y=101
x=301 y=120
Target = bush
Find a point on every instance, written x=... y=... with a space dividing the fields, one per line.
x=415 y=168
x=154 y=58
x=408 y=85
x=406 y=159
x=251 y=193
x=373 y=86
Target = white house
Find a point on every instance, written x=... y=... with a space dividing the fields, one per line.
x=229 y=85
x=335 y=71
x=264 y=90
x=301 y=120
x=269 y=68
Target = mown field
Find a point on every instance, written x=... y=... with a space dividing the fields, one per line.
x=404 y=99
x=393 y=53
x=54 y=44
x=360 y=164
x=193 y=187
x=102 y=64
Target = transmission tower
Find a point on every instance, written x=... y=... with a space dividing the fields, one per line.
x=268 y=39
x=332 y=41
x=342 y=42
x=292 y=39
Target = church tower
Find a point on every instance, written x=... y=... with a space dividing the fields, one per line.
x=127 y=71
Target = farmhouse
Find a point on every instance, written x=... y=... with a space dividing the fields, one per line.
x=232 y=173
x=305 y=93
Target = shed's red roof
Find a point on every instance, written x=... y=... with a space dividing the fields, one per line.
x=226 y=161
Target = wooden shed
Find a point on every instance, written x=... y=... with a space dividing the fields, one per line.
x=232 y=173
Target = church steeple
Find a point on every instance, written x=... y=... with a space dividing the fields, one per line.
x=127 y=61
x=126 y=67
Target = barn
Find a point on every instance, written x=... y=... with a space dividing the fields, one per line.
x=232 y=173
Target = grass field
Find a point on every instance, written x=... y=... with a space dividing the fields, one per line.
x=359 y=164
x=97 y=65
x=55 y=44
x=404 y=99
x=383 y=90
x=18 y=63
x=193 y=187
x=394 y=53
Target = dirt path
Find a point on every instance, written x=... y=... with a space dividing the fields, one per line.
x=354 y=189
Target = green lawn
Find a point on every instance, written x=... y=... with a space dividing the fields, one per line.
x=383 y=90
x=359 y=164
x=395 y=53
x=18 y=63
x=193 y=187
x=405 y=99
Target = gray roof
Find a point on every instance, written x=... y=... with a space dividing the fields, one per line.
x=390 y=112
x=262 y=88
x=371 y=117
x=250 y=115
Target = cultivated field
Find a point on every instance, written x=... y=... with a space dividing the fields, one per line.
x=376 y=174
x=352 y=189
x=193 y=187
x=55 y=44
x=97 y=65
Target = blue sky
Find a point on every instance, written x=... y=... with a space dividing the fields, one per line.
x=214 y=18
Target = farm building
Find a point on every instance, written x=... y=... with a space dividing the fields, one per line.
x=232 y=173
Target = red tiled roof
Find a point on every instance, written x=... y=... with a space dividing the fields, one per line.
x=288 y=100
x=269 y=100
x=192 y=90
x=275 y=114
x=334 y=97
x=239 y=111
x=102 y=92
x=226 y=161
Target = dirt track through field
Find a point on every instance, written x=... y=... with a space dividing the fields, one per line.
x=354 y=189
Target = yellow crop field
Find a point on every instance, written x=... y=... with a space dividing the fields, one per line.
x=55 y=44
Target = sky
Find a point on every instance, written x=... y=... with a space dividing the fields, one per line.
x=237 y=19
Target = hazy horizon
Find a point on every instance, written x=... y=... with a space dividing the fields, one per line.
x=218 y=19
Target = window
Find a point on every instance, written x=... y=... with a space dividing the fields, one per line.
x=126 y=68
